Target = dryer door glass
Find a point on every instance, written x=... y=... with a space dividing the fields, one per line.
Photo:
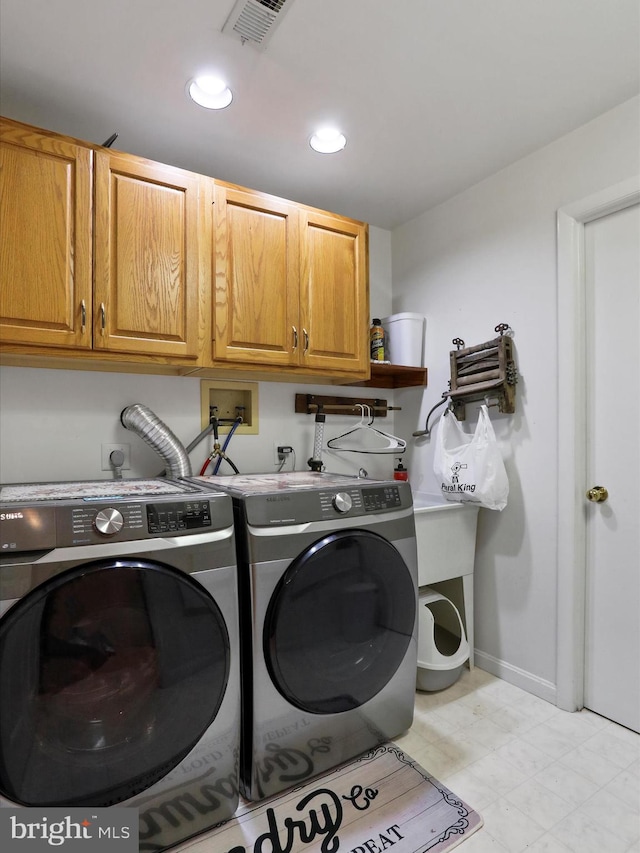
x=109 y=675
x=339 y=622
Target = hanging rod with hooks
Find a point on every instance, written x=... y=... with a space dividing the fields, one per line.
x=309 y=404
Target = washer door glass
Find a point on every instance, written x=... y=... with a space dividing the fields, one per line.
x=339 y=622
x=109 y=675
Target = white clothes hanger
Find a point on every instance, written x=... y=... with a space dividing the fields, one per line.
x=393 y=443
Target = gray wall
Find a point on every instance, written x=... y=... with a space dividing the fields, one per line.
x=485 y=257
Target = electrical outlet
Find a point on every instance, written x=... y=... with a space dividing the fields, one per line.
x=277 y=458
x=107 y=450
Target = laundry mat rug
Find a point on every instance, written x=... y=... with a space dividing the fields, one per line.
x=382 y=801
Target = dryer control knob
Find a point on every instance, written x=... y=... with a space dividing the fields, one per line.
x=342 y=502
x=108 y=521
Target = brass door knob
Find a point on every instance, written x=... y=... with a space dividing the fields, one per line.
x=597 y=494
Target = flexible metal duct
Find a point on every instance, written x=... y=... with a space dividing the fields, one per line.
x=150 y=428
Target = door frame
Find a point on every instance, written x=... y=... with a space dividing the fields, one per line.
x=572 y=432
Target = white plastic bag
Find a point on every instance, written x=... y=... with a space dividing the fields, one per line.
x=470 y=467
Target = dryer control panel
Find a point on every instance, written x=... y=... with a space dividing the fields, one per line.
x=376 y=499
x=387 y=497
x=300 y=507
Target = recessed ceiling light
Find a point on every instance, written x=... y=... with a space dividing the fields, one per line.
x=210 y=92
x=328 y=140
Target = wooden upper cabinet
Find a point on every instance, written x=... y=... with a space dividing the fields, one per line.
x=291 y=285
x=45 y=234
x=256 y=291
x=133 y=261
x=334 y=303
x=147 y=256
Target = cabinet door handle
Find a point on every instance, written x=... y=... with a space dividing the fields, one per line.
x=83 y=317
x=295 y=337
x=103 y=318
x=305 y=335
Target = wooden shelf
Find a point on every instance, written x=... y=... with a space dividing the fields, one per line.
x=394 y=376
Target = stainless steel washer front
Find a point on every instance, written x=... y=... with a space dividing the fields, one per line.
x=119 y=652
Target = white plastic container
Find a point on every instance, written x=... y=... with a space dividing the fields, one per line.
x=442 y=644
x=404 y=342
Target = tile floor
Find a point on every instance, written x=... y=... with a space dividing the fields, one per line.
x=544 y=780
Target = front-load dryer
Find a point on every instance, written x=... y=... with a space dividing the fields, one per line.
x=328 y=588
x=119 y=658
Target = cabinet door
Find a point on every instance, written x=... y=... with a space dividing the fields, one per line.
x=257 y=274
x=45 y=234
x=147 y=245
x=334 y=307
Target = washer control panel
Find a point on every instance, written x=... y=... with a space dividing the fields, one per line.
x=183 y=515
x=90 y=524
x=44 y=516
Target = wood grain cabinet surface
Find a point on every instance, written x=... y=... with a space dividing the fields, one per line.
x=122 y=262
x=256 y=311
x=334 y=293
x=291 y=285
x=101 y=250
x=45 y=234
x=147 y=250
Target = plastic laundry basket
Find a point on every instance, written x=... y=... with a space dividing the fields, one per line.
x=442 y=644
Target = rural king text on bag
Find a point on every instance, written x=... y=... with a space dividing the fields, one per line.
x=458 y=487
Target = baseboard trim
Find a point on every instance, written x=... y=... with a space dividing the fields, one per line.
x=516 y=676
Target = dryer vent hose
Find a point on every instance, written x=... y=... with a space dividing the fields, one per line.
x=150 y=428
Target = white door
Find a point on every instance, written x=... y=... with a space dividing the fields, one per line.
x=612 y=601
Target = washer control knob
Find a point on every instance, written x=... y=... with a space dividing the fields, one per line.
x=108 y=521
x=342 y=502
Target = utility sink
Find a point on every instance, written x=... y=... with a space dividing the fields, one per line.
x=446 y=538
x=446 y=542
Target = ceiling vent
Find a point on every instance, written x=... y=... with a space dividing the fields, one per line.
x=255 y=21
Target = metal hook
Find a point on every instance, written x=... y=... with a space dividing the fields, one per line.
x=426 y=431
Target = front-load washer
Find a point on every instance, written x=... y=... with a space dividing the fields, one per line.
x=328 y=590
x=119 y=656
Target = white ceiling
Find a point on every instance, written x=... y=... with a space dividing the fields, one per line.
x=433 y=95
